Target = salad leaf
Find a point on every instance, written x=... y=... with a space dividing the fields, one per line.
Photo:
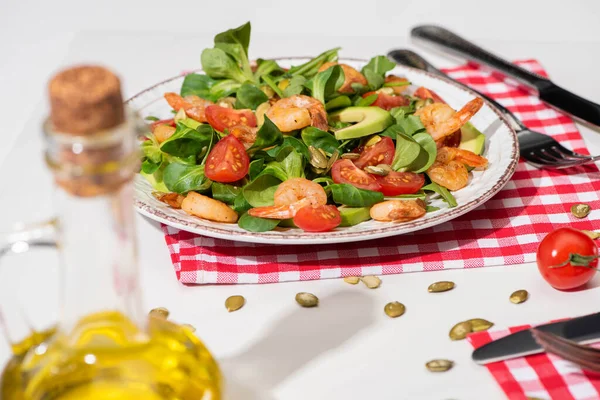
x=407 y=151
x=326 y=83
x=218 y=64
x=236 y=52
x=374 y=80
x=239 y=35
x=199 y=85
x=399 y=113
x=149 y=167
x=225 y=193
x=411 y=124
x=427 y=154
x=446 y=195
x=275 y=169
x=224 y=88
x=292 y=164
x=338 y=102
x=260 y=192
x=419 y=195
x=366 y=101
x=152 y=118
x=255 y=167
x=431 y=209
x=320 y=139
x=255 y=224
x=269 y=81
x=295 y=86
x=151 y=150
x=189 y=139
x=240 y=205
x=290 y=141
x=268 y=135
x=310 y=68
x=375 y=71
x=349 y=195
x=266 y=67
x=324 y=179
x=181 y=178
x=249 y=96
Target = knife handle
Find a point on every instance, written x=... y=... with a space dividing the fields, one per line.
x=443 y=39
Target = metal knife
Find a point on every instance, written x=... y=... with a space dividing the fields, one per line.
x=552 y=94
x=585 y=329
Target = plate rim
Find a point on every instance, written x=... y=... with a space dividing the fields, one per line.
x=347 y=237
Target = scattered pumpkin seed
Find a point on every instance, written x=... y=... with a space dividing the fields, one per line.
x=394 y=309
x=480 y=324
x=351 y=156
x=334 y=157
x=580 y=210
x=372 y=281
x=439 y=365
x=159 y=312
x=307 y=299
x=353 y=280
x=317 y=158
x=190 y=327
x=373 y=140
x=593 y=235
x=461 y=330
x=519 y=296
x=234 y=303
x=377 y=170
x=441 y=286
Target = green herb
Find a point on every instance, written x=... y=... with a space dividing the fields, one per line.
x=351 y=196
x=240 y=205
x=320 y=139
x=326 y=83
x=397 y=83
x=324 y=179
x=442 y=191
x=181 y=178
x=255 y=224
x=407 y=149
x=375 y=71
x=249 y=96
x=269 y=81
x=427 y=154
x=224 y=88
x=338 y=102
x=295 y=86
x=235 y=42
x=151 y=118
x=149 y=167
x=189 y=139
x=255 y=168
x=239 y=35
x=266 y=67
x=411 y=124
x=218 y=64
x=431 y=209
x=198 y=85
x=268 y=135
x=260 y=191
x=292 y=163
x=366 y=101
x=289 y=141
x=419 y=195
x=399 y=113
x=311 y=68
x=225 y=193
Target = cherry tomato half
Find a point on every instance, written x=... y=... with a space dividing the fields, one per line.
x=387 y=101
x=397 y=183
x=567 y=246
x=222 y=118
x=381 y=152
x=317 y=219
x=344 y=171
x=227 y=161
x=424 y=93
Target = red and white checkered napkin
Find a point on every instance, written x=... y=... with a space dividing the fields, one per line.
x=505 y=230
x=541 y=376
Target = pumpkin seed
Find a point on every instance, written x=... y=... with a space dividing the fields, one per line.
x=334 y=157
x=307 y=299
x=441 y=286
x=371 y=281
x=377 y=170
x=317 y=158
x=439 y=365
x=593 y=235
x=234 y=303
x=580 y=210
x=519 y=296
x=353 y=280
x=159 y=312
x=480 y=324
x=373 y=140
x=461 y=330
x=351 y=156
x=394 y=309
x=188 y=326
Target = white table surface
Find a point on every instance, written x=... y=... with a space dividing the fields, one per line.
x=347 y=348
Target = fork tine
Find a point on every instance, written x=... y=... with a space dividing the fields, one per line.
x=563 y=150
x=541 y=162
x=584 y=356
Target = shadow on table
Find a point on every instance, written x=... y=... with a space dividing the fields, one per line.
x=294 y=342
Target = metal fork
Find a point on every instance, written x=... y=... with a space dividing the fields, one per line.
x=536 y=148
x=585 y=356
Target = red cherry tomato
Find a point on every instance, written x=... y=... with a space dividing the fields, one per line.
x=424 y=93
x=227 y=161
x=222 y=118
x=170 y=122
x=381 y=152
x=344 y=171
x=317 y=219
x=386 y=101
x=397 y=183
x=557 y=253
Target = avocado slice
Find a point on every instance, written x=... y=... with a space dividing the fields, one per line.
x=354 y=215
x=472 y=139
x=369 y=120
x=159 y=186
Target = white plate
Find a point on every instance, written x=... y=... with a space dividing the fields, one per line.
x=501 y=149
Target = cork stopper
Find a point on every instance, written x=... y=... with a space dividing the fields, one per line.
x=85 y=99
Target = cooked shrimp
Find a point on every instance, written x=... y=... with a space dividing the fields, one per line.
x=172 y=199
x=394 y=78
x=245 y=134
x=207 y=208
x=297 y=112
x=351 y=76
x=163 y=132
x=449 y=169
x=291 y=196
x=192 y=105
x=441 y=120
x=398 y=210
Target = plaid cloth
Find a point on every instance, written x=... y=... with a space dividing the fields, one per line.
x=505 y=230
x=541 y=376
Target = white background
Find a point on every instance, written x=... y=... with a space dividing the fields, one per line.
x=270 y=349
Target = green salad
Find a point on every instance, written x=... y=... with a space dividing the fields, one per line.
x=315 y=146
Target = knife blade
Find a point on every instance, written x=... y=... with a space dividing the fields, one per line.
x=585 y=329
x=552 y=94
